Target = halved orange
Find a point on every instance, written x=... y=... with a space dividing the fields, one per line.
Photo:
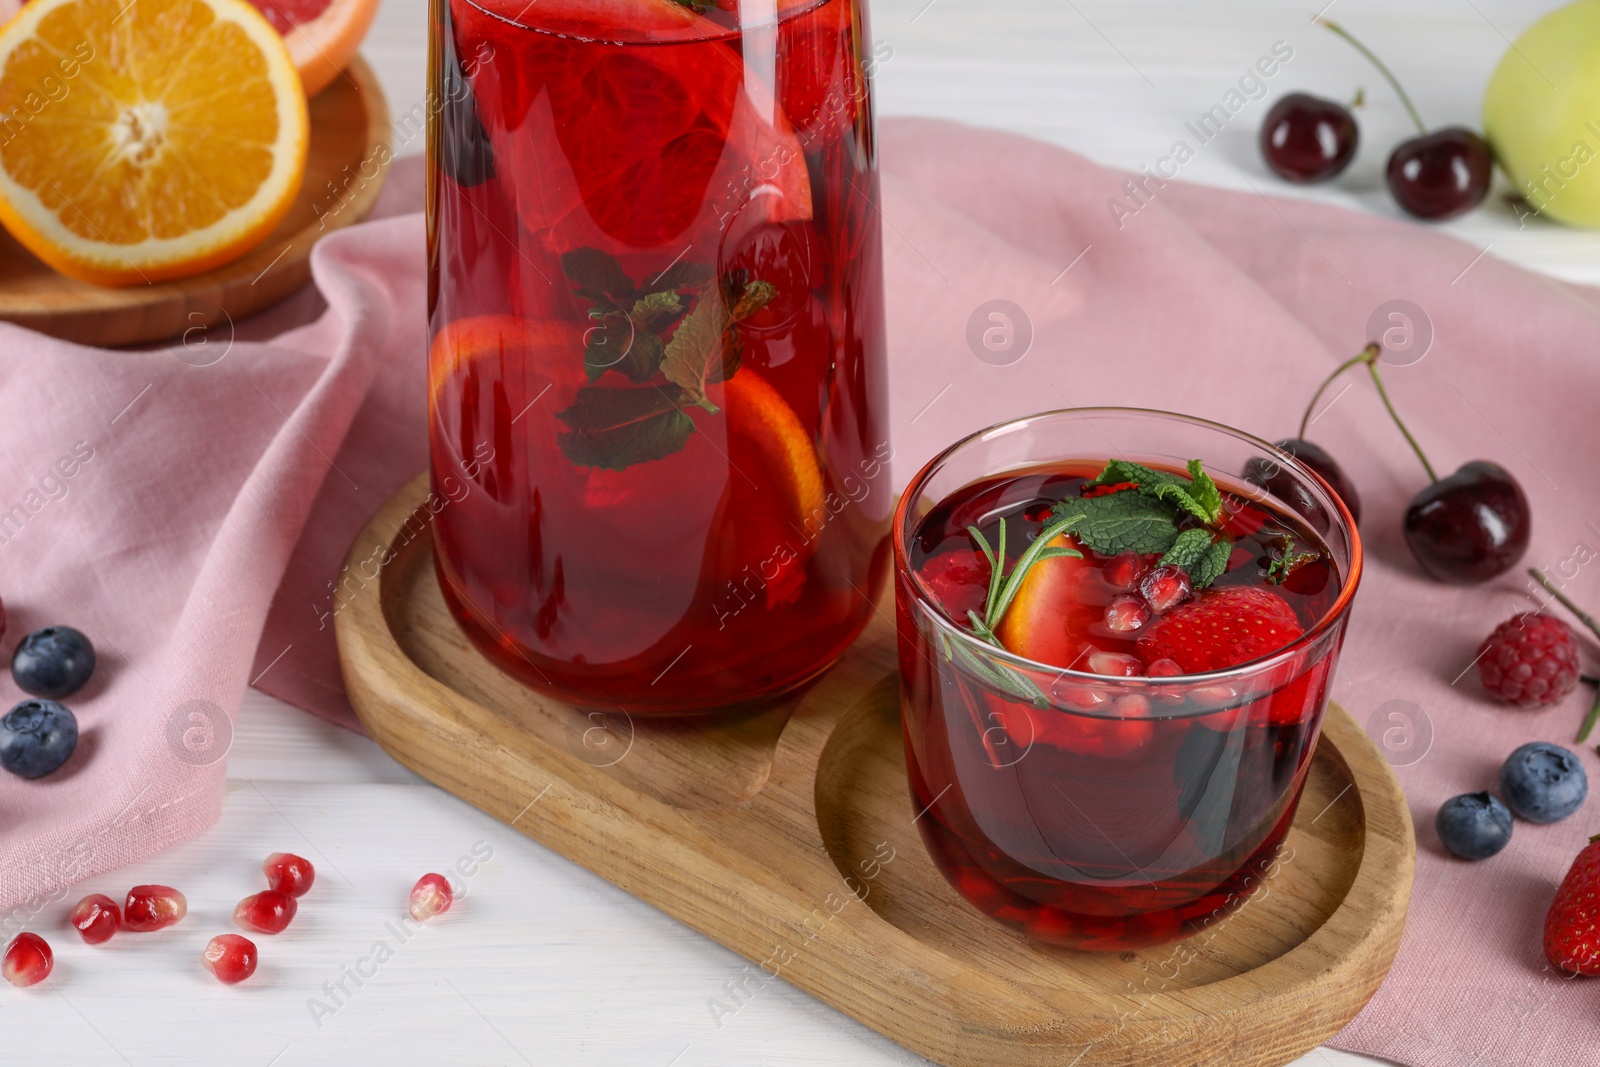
x=322 y=35
x=146 y=141
x=1038 y=624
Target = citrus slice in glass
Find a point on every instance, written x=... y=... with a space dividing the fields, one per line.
x=146 y=141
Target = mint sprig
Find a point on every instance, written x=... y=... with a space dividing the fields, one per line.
x=1287 y=562
x=671 y=336
x=1155 y=512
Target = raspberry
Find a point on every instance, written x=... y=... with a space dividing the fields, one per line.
x=1531 y=660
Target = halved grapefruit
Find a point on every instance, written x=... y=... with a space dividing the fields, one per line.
x=322 y=35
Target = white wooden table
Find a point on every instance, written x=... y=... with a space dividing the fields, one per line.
x=542 y=963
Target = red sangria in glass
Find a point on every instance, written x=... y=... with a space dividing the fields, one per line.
x=1114 y=667
x=656 y=377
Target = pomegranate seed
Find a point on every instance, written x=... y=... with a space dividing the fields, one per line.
x=1122 y=571
x=288 y=873
x=153 y=907
x=268 y=912
x=28 y=961
x=230 y=957
x=97 y=917
x=1132 y=706
x=1165 y=668
x=430 y=896
x=1165 y=587
x=1078 y=697
x=1116 y=664
x=1126 y=613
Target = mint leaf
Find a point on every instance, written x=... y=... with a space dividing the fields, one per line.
x=601 y=279
x=1213 y=565
x=1180 y=496
x=615 y=427
x=1120 y=470
x=1197 y=494
x=1205 y=492
x=1121 y=522
x=1188 y=550
x=656 y=311
x=1281 y=566
x=705 y=348
x=1202 y=555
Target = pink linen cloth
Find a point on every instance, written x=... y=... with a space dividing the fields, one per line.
x=209 y=506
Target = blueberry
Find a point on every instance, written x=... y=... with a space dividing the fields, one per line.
x=53 y=662
x=1543 y=782
x=37 y=737
x=1474 y=825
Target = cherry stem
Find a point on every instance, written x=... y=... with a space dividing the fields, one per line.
x=1564 y=600
x=1589 y=721
x=1366 y=354
x=1382 y=69
x=1383 y=394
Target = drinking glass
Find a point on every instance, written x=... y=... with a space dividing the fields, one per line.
x=1085 y=809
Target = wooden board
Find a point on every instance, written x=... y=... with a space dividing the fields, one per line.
x=746 y=831
x=345 y=168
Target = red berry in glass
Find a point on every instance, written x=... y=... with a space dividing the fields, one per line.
x=266 y=912
x=230 y=958
x=431 y=896
x=27 y=961
x=657 y=406
x=1112 y=804
x=96 y=917
x=1308 y=139
x=288 y=873
x=153 y=907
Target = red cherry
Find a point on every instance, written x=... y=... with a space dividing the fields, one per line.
x=1442 y=174
x=1308 y=139
x=1470 y=526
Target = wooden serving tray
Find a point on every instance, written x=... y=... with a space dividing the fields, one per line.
x=346 y=163
x=788 y=836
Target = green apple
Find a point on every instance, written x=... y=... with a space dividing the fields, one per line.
x=1541 y=114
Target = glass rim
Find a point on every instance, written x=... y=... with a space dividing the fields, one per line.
x=1265 y=665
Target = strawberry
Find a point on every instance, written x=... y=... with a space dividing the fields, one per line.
x=1221 y=628
x=958 y=580
x=1572 y=929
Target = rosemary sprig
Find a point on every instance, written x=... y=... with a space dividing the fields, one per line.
x=1003 y=587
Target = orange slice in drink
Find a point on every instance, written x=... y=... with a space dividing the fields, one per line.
x=760 y=416
x=146 y=141
x=1038 y=624
x=322 y=35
